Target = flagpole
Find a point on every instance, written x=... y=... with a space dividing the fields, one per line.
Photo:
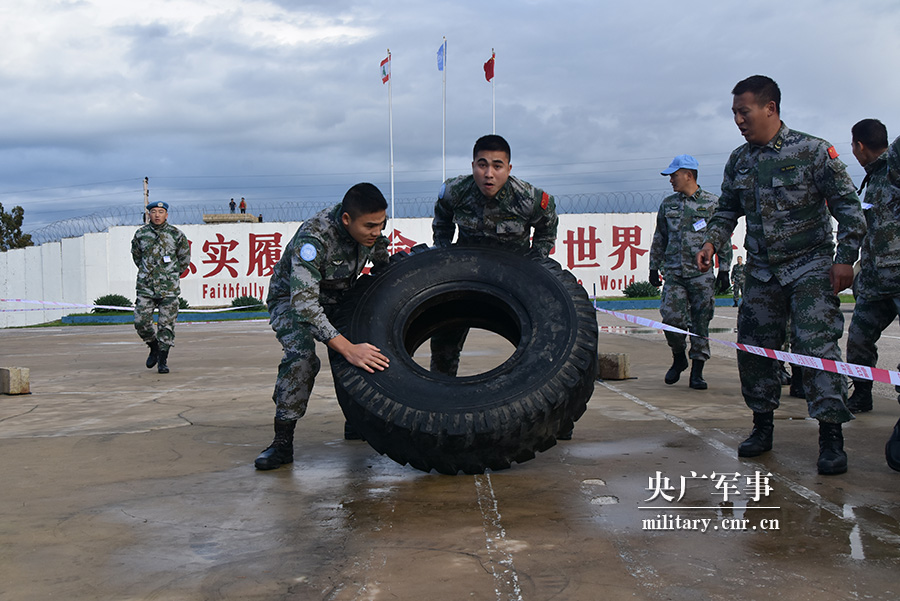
x=444 y=117
x=391 y=131
x=493 y=97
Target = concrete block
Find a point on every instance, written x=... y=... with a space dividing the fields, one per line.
x=612 y=366
x=14 y=380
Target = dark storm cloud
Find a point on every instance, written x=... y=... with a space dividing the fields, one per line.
x=207 y=99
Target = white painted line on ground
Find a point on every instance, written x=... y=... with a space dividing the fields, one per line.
x=506 y=579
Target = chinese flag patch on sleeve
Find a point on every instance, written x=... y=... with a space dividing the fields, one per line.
x=545 y=201
x=832 y=152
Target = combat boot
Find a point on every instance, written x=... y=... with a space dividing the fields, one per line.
x=832 y=458
x=567 y=435
x=861 y=399
x=281 y=450
x=760 y=439
x=351 y=433
x=797 y=390
x=154 y=352
x=697 y=382
x=892 y=449
x=679 y=364
x=163 y=356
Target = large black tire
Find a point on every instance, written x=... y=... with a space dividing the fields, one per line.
x=472 y=423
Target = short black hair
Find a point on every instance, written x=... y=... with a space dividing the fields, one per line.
x=491 y=142
x=764 y=88
x=872 y=133
x=363 y=199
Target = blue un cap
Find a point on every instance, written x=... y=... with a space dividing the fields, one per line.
x=158 y=204
x=682 y=161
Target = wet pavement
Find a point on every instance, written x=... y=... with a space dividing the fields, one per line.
x=123 y=484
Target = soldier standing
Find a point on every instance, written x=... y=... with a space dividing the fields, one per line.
x=878 y=285
x=786 y=182
x=161 y=253
x=688 y=296
x=737 y=280
x=322 y=261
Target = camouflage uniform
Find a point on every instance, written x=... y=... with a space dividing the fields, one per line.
x=737 y=281
x=507 y=220
x=688 y=295
x=786 y=189
x=320 y=263
x=878 y=285
x=161 y=253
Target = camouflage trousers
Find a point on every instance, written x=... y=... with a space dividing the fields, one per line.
x=688 y=304
x=816 y=324
x=446 y=346
x=164 y=333
x=870 y=318
x=298 y=368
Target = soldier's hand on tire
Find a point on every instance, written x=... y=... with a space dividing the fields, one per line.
x=363 y=355
x=367 y=357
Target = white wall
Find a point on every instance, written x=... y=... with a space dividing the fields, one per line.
x=74 y=280
x=51 y=280
x=605 y=251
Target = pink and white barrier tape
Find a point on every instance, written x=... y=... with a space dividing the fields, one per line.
x=861 y=372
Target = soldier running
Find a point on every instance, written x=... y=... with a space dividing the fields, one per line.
x=161 y=253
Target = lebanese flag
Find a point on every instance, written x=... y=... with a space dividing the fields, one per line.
x=386 y=69
x=489 y=68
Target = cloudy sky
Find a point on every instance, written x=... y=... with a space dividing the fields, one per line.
x=281 y=100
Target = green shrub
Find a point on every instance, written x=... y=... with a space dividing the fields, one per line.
x=640 y=289
x=111 y=300
x=249 y=303
x=182 y=304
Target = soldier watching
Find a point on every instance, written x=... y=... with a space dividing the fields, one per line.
x=322 y=261
x=785 y=183
x=161 y=253
x=688 y=296
x=878 y=283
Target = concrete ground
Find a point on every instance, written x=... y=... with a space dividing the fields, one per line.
x=123 y=484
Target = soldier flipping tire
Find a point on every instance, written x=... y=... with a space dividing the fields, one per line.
x=433 y=421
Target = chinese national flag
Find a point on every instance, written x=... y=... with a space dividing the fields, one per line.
x=489 y=68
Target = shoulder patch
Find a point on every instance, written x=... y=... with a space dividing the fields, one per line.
x=832 y=152
x=443 y=189
x=545 y=200
x=308 y=252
